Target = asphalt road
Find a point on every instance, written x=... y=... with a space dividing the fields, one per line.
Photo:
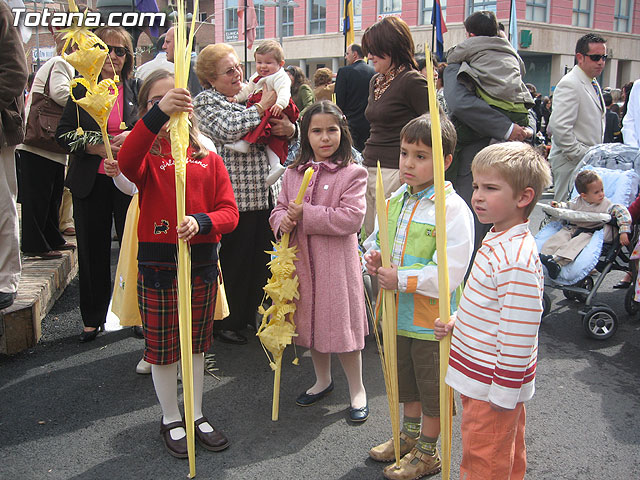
x=70 y=410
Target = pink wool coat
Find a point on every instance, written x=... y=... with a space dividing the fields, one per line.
x=330 y=315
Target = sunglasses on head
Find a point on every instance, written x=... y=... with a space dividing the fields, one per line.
x=596 y=58
x=119 y=51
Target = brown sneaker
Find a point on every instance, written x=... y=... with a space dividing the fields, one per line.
x=385 y=452
x=414 y=465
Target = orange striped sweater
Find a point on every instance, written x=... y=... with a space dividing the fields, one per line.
x=494 y=342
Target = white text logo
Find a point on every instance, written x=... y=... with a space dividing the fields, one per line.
x=47 y=18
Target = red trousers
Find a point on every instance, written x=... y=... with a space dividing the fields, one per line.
x=493 y=446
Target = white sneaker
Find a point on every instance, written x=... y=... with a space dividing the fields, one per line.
x=143 y=367
x=274 y=174
x=241 y=146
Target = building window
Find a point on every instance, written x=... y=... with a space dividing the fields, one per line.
x=317 y=16
x=581 y=13
x=287 y=21
x=202 y=16
x=480 y=5
x=427 y=7
x=231 y=20
x=622 y=16
x=260 y=19
x=390 y=6
x=537 y=10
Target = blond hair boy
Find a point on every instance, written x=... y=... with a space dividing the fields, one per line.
x=494 y=332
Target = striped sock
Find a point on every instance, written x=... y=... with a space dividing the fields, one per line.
x=411 y=426
x=427 y=445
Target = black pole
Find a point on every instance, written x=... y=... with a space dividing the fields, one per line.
x=246 y=65
x=433 y=26
x=344 y=31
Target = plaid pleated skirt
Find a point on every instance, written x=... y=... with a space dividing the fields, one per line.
x=159 y=312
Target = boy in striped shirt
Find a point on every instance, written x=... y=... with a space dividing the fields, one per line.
x=494 y=341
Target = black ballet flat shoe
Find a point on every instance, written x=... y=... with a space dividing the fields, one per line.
x=307 y=399
x=90 y=336
x=359 y=415
x=229 y=336
x=137 y=331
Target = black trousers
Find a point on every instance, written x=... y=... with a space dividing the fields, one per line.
x=244 y=268
x=41 y=183
x=94 y=216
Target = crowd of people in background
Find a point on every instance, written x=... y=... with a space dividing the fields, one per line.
x=372 y=110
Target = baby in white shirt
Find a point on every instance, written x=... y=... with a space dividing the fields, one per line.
x=269 y=76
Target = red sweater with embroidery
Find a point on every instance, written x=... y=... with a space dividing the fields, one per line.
x=209 y=195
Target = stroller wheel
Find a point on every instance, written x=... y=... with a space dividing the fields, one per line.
x=630 y=305
x=546 y=304
x=600 y=323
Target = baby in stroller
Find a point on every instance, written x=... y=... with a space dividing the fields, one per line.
x=564 y=246
x=581 y=278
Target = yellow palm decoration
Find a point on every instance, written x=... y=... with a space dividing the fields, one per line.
x=99 y=99
x=88 y=59
x=92 y=51
x=179 y=131
x=446 y=396
x=277 y=328
x=386 y=310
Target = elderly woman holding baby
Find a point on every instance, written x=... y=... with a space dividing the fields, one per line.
x=242 y=255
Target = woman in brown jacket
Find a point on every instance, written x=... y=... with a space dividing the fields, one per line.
x=397 y=94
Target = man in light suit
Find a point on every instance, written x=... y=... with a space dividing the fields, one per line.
x=352 y=93
x=578 y=118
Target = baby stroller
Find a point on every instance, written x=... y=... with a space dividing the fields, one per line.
x=619 y=167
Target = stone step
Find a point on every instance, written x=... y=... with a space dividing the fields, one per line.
x=41 y=284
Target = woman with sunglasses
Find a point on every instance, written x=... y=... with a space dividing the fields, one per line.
x=97 y=203
x=242 y=255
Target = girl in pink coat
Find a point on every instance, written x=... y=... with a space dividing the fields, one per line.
x=330 y=315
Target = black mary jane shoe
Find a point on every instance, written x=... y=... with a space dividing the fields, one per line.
x=229 y=336
x=90 y=335
x=307 y=399
x=358 y=415
x=177 y=448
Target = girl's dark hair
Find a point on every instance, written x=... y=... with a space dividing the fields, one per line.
x=390 y=37
x=343 y=155
x=299 y=78
x=199 y=150
x=106 y=34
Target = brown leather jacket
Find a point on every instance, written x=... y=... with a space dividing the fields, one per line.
x=13 y=79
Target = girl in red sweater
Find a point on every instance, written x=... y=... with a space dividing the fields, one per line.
x=145 y=159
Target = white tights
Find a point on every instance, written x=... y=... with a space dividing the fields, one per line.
x=352 y=366
x=165 y=381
